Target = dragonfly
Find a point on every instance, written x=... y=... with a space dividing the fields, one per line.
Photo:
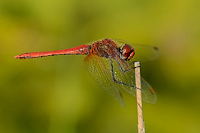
x=110 y=62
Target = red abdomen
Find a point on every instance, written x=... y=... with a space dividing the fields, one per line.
x=80 y=50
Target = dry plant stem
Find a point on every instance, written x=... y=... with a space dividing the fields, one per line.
x=141 y=128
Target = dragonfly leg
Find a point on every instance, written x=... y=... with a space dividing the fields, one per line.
x=124 y=71
x=119 y=82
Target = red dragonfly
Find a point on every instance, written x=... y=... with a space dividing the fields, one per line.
x=109 y=62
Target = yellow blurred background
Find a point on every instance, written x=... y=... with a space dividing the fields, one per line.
x=57 y=95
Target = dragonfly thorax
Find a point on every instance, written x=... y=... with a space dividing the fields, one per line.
x=127 y=52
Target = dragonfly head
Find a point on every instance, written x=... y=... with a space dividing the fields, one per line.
x=127 y=52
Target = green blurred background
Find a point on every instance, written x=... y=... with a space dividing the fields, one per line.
x=57 y=95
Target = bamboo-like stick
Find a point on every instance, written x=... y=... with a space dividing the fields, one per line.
x=141 y=128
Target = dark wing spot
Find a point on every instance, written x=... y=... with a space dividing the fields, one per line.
x=156 y=48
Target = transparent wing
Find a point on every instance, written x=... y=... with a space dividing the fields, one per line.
x=148 y=94
x=142 y=52
x=100 y=70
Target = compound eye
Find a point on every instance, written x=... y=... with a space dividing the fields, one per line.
x=127 y=52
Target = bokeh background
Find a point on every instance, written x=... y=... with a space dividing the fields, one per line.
x=57 y=95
